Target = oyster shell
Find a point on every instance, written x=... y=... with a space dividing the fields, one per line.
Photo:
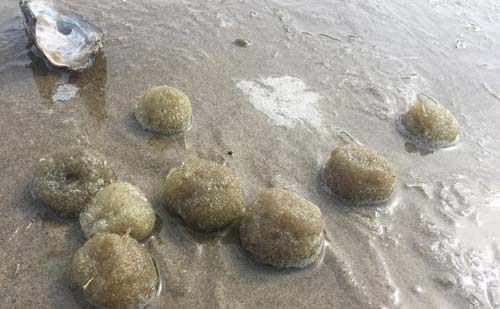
x=64 y=38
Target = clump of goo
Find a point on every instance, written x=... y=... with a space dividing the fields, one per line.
x=359 y=175
x=66 y=181
x=282 y=229
x=115 y=271
x=428 y=124
x=165 y=110
x=205 y=195
x=119 y=208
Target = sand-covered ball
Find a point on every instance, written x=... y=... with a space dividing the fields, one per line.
x=67 y=180
x=359 y=175
x=115 y=271
x=165 y=110
x=429 y=124
x=206 y=195
x=282 y=229
x=119 y=208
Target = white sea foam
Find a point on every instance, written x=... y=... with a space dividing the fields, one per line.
x=286 y=100
x=64 y=92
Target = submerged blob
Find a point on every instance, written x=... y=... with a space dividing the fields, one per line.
x=359 y=175
x=67 y=180
x=119 y=208
x=429 y=124
x=65 y=39
x=282 y=229
x=115 y=271
x=165 y=110
x=206 y=195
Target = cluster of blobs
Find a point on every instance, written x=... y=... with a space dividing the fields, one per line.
x=112 y=268
x=279 y=228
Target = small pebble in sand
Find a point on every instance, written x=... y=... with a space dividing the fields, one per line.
x=165 y=110
x=119 y=208
x=205 y=195
x=446 y=281
x=67 y=180
x=282 y=229
x=242 y=42
x=428 y=124
x=417 y=289
x=359 y=175
x=115 y=271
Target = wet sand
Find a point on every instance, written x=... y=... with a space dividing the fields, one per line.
x=352 y=68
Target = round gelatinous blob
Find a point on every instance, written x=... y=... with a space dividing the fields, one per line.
x=206 y=195
x=66 y=181
x=359 y=175
x=165 y=110
x=119 y=208
x=115 y=271
x=282 y=229
x=429 y=124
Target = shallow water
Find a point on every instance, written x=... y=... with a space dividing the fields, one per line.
x=356 y=64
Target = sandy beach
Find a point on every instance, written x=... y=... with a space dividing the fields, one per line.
x=315 y=74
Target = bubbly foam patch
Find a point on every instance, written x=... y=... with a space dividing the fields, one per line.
x=285 y=100
x=64 y=92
